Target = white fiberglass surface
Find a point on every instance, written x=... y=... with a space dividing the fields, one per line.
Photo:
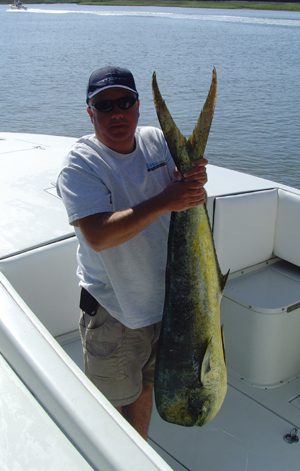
x=29 y=437
x=246 y=435
x=28 y=167
x=34 y=215
x=270 y=289
x=73 y=402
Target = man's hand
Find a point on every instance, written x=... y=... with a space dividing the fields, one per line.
x=188 y=189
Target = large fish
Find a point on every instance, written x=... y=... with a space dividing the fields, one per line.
x=190 y=377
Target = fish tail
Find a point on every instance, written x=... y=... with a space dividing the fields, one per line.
x=175 y=140
x=199 y=137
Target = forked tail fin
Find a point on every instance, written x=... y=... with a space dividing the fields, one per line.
x=185 y=150
x=199 y=137
x=175 y=140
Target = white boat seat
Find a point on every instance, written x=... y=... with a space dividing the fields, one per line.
x=260 y=306
x=250 y=228
x=244 y=227
x=287 y=233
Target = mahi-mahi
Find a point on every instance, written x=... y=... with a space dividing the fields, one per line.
x=190 y=377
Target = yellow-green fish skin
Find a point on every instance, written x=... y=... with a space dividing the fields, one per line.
x=190 y=377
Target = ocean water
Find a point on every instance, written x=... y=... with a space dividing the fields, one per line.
x=48 y=52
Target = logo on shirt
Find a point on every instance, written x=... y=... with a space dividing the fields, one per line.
x=154 y=165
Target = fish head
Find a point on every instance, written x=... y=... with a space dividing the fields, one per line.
x=206 y=401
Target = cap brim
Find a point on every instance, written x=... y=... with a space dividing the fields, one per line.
x=97 y=92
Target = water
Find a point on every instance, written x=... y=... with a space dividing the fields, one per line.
x=48 y=52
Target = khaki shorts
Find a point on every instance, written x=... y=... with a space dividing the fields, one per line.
x=118 y=360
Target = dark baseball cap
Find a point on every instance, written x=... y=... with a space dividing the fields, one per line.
x=109 y=77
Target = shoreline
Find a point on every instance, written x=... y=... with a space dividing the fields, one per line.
x=221 y=4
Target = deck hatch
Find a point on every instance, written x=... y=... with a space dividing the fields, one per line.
x=296 y=401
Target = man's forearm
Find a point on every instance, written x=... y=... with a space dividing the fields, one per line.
x=106 y=230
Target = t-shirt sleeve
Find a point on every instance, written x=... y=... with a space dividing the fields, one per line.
x=82 y=192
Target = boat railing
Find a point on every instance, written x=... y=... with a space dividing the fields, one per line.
x=83 y=414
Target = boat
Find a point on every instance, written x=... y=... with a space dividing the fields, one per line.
x=17 y=5
x=53 y=417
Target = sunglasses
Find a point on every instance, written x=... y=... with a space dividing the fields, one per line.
x=123 y=103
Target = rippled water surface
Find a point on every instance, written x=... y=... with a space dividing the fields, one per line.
x=49 y=51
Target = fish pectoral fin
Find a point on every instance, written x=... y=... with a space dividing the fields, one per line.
x=206 y=363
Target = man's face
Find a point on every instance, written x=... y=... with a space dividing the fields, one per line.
x=115 y=128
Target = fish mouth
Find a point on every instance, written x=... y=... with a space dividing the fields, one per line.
x=199 y=408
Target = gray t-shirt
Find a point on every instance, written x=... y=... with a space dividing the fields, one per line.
x=128 y=280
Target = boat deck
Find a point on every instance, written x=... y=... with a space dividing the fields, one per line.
x=249 y=429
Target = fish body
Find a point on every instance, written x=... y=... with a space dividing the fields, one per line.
x=190 y=377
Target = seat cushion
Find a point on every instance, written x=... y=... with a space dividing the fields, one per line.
x=244 y=227
x=287 y=234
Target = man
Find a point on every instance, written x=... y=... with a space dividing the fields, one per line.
x=119 y=186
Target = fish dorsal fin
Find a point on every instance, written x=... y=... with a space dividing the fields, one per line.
x=199 y=137
x=206 y=362
x=175 y=140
